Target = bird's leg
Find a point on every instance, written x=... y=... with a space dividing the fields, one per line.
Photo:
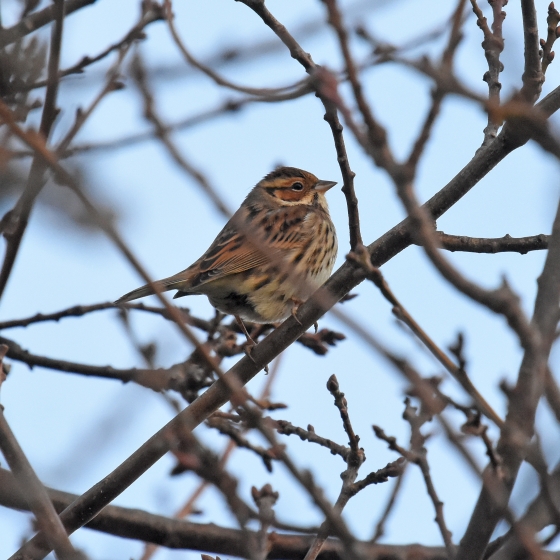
x=296 y=303
x=243 y=328
x=295 y=306
x=250 y=341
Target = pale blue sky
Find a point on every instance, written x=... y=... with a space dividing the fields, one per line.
x=169 y=223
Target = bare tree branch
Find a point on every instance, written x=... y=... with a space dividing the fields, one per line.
x=523 y=122
x=493 y=45
x=39 y=19
x=178 y=534
x=34 y=493
x=519 y=426
x=504 y=244
x=16 y=224
x=533 y=77
x=150 y=14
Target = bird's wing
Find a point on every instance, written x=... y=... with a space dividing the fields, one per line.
x=248 y=240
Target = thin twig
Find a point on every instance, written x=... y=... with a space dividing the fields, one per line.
x=333 y=518
x=335 y=20
x=521 y=245
x=190 y=504
x=325 y=86
x=111 y=84
x=376 y=134
x=150 y=15
x=354 y=461
x=523 y=401
x=19 y=215
x=528 y=543
x=287 y=428
x=438 y=94
x=81 y=310
x=493 y=45
x=389 y=506
x=552 y=34
x=418 y=455
x=390 y=470
x=356 y=453
x=265 y=499
x=421 y=142
x=175 y=377
x=300 y=88
x=160 y=128
x=377 y=278
x=39 y=19
x=235 y=434
x=228 y=106
x=533 y=76
x=34 y=492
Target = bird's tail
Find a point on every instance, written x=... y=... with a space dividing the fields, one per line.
x=181 y=282
x=143 y=291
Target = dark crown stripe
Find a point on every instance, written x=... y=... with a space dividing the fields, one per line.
x=284 y=173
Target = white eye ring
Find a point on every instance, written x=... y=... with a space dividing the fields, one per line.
x=297 y=186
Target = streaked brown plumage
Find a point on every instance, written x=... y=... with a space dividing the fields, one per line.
x=274 y=252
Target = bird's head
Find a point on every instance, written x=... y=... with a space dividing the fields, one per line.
x=289 y=186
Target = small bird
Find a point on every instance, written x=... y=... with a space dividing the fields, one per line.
x=274 y=252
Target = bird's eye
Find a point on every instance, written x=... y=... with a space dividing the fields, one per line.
x=297 y=186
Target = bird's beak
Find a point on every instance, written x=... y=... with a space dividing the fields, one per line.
x=324 y=186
